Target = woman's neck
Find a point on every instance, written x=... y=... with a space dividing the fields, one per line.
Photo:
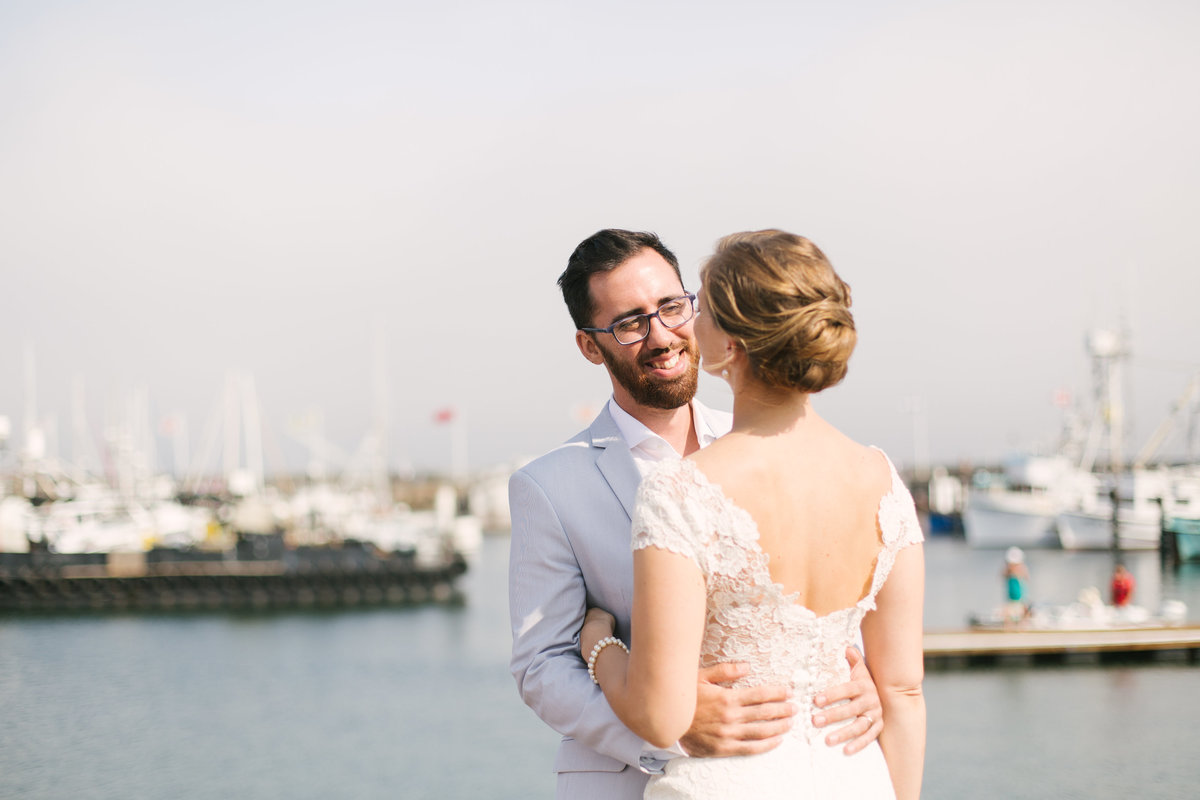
x=760 y=410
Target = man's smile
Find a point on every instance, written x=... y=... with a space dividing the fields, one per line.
x=667 y=364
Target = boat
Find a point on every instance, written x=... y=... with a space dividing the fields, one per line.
x=222 y=540
x=945 y=501
x=1067 y=498
x=1019 y=506
x=99 y=520
x=1187 y=536
x=1139 y=493
x=1007 y=518
x=1087 y=613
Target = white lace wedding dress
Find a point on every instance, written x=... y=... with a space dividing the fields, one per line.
x=751 y=619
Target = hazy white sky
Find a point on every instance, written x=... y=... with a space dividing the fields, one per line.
x=191 y=188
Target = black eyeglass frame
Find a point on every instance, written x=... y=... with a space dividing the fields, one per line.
x=656 y=313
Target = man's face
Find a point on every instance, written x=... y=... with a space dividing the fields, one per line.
x=711 y=342
x=661 y=370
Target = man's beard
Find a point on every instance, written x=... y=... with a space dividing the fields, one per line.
x=647 y=391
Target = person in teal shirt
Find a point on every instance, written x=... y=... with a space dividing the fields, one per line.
x=1016 y=575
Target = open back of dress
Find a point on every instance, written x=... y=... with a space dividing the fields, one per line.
x=751 y=619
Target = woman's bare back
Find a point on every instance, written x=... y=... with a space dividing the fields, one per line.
x=814 y=497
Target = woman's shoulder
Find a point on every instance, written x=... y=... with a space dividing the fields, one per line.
x=878 y=468
x=864 y=466
x=675 y=505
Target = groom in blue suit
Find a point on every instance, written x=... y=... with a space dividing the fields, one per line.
x=571 y=512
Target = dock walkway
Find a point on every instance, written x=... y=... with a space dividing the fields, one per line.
x=956 y=649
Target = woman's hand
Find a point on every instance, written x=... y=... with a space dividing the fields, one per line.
x=597 y=624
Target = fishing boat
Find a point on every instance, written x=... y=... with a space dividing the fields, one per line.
x=1072 y=497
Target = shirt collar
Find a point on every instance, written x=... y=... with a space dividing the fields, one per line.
x=636 y=434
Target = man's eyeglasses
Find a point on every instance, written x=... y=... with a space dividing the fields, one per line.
x=634 y=329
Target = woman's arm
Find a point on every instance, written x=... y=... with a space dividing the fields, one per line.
x=652 y=689
x=892 y=637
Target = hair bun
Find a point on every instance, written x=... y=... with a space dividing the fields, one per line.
x=815 y=352
x=779 y=296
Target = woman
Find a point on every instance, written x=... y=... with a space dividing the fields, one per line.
x=775 y=545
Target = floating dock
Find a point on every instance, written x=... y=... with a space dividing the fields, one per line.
x=306 y=577
x=969 y=648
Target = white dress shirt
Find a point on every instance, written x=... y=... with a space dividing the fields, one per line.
x=647 y=447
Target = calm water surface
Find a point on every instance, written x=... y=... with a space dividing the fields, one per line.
x=418 y=703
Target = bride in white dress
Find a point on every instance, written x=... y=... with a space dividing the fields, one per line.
x=778 y=545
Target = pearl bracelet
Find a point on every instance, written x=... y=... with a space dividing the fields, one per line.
x=600 y=645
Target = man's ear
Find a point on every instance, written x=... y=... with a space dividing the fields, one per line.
x=587 y=345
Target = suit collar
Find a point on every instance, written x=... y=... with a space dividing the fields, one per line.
x=616 y=463
x=614 y=460
x=604 y=432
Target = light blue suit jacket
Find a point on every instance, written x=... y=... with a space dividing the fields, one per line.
x=571 y=512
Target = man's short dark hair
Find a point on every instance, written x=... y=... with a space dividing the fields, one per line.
x=601 y=252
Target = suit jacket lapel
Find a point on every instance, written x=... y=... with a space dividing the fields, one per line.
x=614 y=461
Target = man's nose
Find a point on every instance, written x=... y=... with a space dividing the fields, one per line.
x=661 y=336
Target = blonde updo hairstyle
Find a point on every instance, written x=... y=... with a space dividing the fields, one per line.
x=777 y=295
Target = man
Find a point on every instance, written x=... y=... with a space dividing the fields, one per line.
x=571 y=512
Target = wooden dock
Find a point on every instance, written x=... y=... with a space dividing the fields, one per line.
x=969 y=648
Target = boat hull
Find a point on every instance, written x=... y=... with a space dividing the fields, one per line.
x=1010 y=521
x=1187 y=538
x=1079 y=530
x=1189 y=546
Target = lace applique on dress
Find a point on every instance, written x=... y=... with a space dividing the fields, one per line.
x=749 y=617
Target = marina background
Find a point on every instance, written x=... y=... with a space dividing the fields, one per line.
x=336 y=230
x=418 y=702
x=314 y=195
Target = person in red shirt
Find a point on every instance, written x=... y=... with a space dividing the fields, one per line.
x=1122 y=586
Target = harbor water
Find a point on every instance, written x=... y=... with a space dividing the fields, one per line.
x=418 y=702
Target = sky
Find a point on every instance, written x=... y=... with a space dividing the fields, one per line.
x=359 y=209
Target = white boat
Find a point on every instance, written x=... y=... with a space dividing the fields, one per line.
x=1088 y=613
x=326 y=512
x=1145 y=496
x=97 y=520
x=1137 y=529
x=1139 y=515
x=1020 y=508
x=15 y=516
x=1065 y=500
x=1006 y=518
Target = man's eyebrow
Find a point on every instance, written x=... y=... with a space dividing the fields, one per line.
x=639 y=313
